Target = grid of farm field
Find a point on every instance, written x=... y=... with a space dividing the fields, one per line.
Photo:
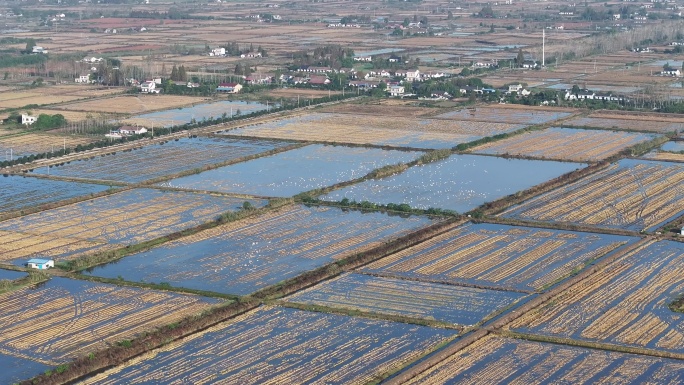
x=630 y=194
x=128 y=217
x=242 y=257
x=624 y=304
x=88 y=316
x=165 y=158
x=514 y=258
x=499 y=360
x=457 y=305
x=340 y=263
x=287 y=346
x=17 y=193
x=376 y=129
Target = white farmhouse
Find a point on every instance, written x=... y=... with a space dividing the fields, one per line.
x=149 y=87
x=28 y=120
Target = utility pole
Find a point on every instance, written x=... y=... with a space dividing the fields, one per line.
x=543 y=48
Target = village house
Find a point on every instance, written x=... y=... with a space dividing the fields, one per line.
x=412 y=75
x=38 y=49
x=28 y=120
x=231 y=88
x=363 y=58
x=380 y=73
x=530 y=64
x=149 y=87
x=92 y=60
x=671 y=72
x=250 y=55
x=259 y=79
x=320 y=70
x=132 y=130
x=82 y=79
x=581 y=95
x=218 y=52
x=396 y=90
x=364 y=84
x=319 y=80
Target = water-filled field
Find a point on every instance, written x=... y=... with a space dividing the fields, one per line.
x=499 y=360
x=17 y=193
x=458 y=305
x=565 y=144
x=460 y=183
x=625 y=304
x=631 y=194
x=244 y=256
x=295 y=171
x=283 y=346
x=11 y=274
x=16 y=369
x=673 y=146
x=505 y=115
x=199 y=112
x=127 y=217
x=63 y=319
x=158 y=160
x=499 y=256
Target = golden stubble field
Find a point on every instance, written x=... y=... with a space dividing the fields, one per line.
x=134 y=104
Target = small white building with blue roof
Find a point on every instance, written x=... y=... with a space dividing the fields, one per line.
x=40 y=264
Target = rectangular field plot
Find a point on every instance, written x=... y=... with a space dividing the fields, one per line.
x=17 y=193
x=158 y=160
x=505 y=115
x=624 y=304
x=500 y=256
x=464 y=306
x=645 y=124
x=128 y=217
x=631 y=194
x=378 y=130
x=666 y=156
x=460 y=183
x=133 y=104
x=295 y=171
x=282 y=346
x=244 y=256
x=498 y=360
x=198 y=112
x=16 y=146
x=62 y=318
x=565 y=144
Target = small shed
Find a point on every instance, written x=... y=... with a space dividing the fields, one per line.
x=40 y=264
